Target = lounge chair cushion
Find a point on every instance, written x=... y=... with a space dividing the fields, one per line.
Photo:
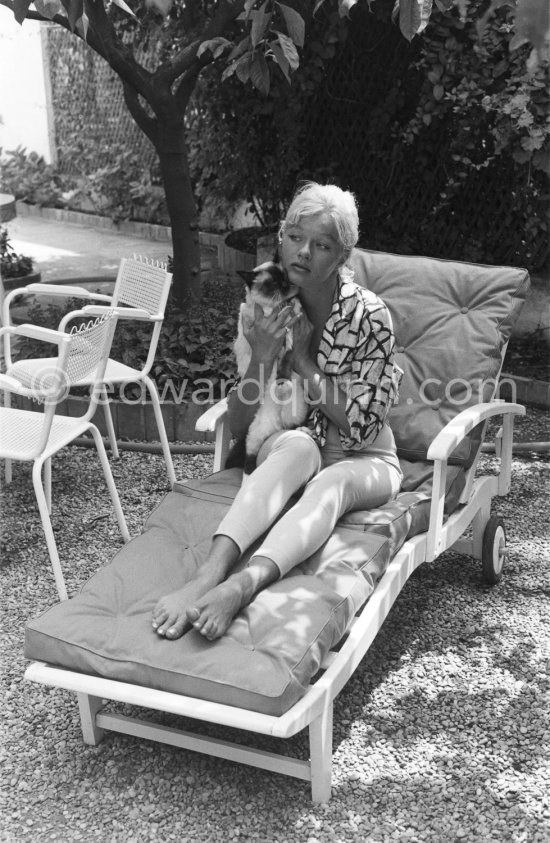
x=451 y=321
x=273 y=648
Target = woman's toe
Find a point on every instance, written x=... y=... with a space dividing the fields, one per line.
x=193 y=615
x=213 y=632
x=159 y=615
x=176 y=629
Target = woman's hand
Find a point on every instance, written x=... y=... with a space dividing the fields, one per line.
x=266 y=334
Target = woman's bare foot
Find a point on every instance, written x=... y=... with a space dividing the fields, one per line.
x=212 y=614
x=169 y=617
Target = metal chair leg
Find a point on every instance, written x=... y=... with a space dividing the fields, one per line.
x=111 y=435
x=161 y=429
x=107 y=473
x=48 y=529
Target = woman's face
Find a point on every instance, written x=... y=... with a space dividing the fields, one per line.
x=311 y=252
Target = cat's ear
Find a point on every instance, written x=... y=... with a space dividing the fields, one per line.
x=247 y=276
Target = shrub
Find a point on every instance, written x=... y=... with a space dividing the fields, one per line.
x=12 y=265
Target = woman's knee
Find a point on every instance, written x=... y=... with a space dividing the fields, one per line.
x=296 y=445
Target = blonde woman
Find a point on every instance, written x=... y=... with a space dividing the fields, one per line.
x=343 y=349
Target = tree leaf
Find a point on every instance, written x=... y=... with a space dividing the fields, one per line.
x=260 y=21
x=48 y=8
x=409 y=18
x=345 y=6
x=242 y=67
x=163 y=6
x=426 y=7
x=215 y=45
x=229 y=70
x=74 y=12
x=240 y=48
x=20 y=9
x=295 y=24
x=259 y=73
x=82 y=25
x=281 y=59
x=289 y=50
x=124 y=6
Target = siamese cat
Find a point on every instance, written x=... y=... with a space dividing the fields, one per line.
x=282 y=402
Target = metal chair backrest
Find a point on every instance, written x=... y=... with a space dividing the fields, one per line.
x=83 y=352
x=143 y=284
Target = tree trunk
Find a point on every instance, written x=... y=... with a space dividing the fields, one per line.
x=174 y=166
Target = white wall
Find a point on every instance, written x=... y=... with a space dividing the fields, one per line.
x=23 y=109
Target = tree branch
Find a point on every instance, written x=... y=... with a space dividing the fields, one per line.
x=148 y=125
x=115 y=53
x=186 y=61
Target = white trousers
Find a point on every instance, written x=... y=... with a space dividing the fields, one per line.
x=290 y=461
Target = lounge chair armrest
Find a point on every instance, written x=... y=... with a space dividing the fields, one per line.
x=214 y=416
x=444 y=444
x=458 y=428
x=214 y=420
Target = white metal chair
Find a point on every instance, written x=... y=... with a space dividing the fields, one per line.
x=31 y=436
x=140 y=293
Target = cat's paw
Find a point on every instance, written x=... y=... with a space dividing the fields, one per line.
x=283 y=391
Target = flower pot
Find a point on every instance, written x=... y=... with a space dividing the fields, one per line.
x=267 y=247
x=231 y=259
x=245 y=248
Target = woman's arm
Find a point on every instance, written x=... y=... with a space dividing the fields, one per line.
x=265 y=335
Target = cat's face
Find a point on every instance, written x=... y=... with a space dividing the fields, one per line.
x=268 y=285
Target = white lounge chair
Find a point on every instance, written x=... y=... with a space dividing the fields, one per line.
x=287 y=656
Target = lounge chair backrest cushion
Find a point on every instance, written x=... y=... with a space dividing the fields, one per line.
x=451 y=322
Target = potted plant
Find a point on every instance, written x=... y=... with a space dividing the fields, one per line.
x=15 y=270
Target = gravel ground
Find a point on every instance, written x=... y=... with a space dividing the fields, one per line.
x=442 y=734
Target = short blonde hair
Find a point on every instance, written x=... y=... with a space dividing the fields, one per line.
x=340 y=205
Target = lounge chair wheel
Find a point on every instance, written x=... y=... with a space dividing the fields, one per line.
x=493 y=550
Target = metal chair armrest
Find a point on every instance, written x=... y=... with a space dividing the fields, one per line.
x=64 y=291
x=36 y=332
x=122 y=312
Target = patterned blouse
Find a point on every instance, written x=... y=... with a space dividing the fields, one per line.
x=356 y=352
